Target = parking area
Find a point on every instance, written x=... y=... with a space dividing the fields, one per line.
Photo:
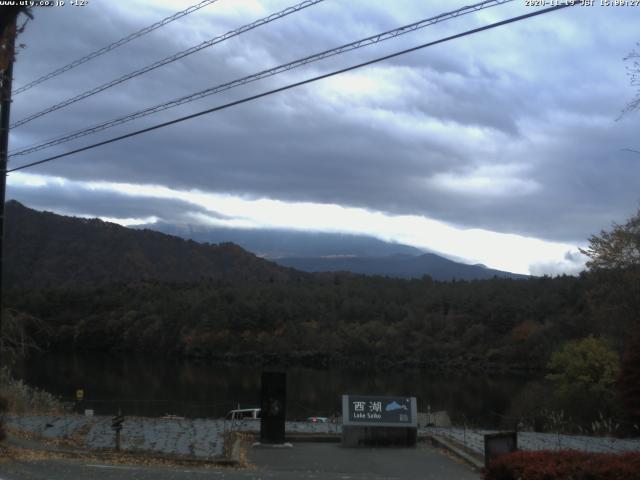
x=331 y=461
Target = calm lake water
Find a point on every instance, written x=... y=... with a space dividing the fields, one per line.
x=155 y=386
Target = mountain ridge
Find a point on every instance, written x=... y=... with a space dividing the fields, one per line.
x=338 y=252
x=44 y=249
x=275 y=243
x=399 y=266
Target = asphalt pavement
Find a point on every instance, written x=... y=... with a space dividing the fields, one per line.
x=322 y=461
x=331 y=461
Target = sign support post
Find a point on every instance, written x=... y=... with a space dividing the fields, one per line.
x=116 y=425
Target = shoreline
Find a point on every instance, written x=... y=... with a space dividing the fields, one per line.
x=458 y=367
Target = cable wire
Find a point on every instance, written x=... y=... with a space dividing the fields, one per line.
x=114 y=45
x=264 y=74
x=300 y=83
x=630 y=150
x=170 y=59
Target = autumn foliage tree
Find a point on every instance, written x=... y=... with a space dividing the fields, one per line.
x=614 y=258
x=618 y=248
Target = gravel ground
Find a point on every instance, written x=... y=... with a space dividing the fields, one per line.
x=199 y=438
x=204 y=438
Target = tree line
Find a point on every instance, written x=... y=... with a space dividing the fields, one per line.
x=497 y=325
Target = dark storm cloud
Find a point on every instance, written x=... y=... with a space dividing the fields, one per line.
x=541 y=96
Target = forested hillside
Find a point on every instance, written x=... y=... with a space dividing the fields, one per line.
x=43 y=249
x=498 y=324
x=160 y=294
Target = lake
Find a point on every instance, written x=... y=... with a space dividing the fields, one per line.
x=155 y=386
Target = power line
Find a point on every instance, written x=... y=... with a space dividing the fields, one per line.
x=264 y=74
x=297 y=84
x=115 y=45
x=172 y=58
x=630 y=150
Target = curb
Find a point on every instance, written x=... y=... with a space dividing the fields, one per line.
x=272 y=445
x=457 y=450
x=314 y=438
x=308 y=437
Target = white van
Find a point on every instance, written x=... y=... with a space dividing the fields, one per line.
x=244 y=414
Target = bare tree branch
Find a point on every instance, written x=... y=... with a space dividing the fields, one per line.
x=633 y=72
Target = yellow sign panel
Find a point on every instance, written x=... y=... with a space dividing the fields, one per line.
x=79 y=394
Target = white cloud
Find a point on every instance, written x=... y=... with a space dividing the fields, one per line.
x=128 y=221
x=491 y=180
x=496 y=131
x=571 y=264
x=509 y=252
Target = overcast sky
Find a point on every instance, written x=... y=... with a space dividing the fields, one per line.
x=503 y=147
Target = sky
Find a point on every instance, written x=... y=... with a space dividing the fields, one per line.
x=506 y=147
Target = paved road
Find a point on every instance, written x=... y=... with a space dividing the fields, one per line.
x=322 y=461
x=331 y=461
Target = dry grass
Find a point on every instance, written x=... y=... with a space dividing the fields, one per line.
x=18 y=397
x=12 y=453
x=69 y=442
x=243 y=439
x=22 y=398
x=110 y=456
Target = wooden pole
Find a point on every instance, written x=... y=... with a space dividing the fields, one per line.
x=9 y=32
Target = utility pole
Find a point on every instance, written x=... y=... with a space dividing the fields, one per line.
x=8 y=32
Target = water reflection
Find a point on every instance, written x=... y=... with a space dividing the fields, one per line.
x=155 y=386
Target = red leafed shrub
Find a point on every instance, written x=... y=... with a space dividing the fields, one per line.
x=567 y=464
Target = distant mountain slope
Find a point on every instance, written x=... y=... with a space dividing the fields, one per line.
x=403 y=266
x=331 y=252
x=277 y=243
x=45 y=249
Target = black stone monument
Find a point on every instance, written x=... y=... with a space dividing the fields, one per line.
x=273 y=407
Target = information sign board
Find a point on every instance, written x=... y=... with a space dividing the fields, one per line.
x=379 y=411
x=498 y=444
x=117 y=421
